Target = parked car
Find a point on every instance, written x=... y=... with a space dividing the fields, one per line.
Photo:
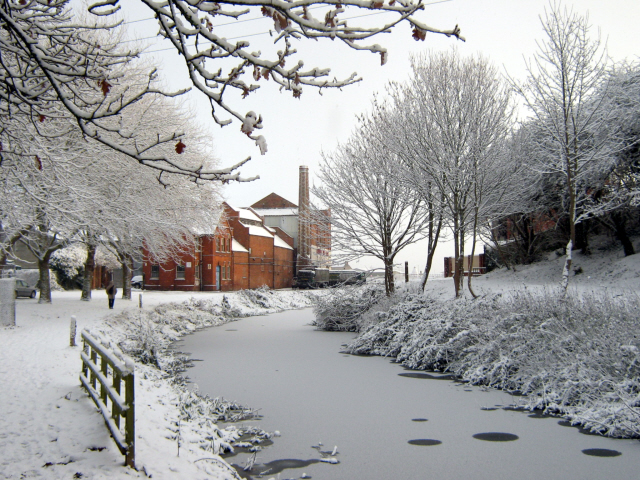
x=136 y=281
x=24 y=290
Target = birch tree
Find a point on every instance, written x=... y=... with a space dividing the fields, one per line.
x=563 y=77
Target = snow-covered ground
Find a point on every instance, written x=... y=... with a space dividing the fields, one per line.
x=606 y=268
x=50 y=428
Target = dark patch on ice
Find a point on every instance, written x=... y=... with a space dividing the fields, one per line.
x=231 y=330
x=246 y=439
x=601 y=452
x=419 y=420
x=273 y=468
x=584 y=431
x=468 y=390
x=538 y=414
x=488 y=409
x=426 y=376
x=581 y=429
x=496 y=437
x=514 y=408
x=425 y=442
x=97 y=449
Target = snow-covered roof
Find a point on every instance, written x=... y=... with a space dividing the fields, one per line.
x=248 y=215
x=276 y=212
x=236 y=247
x=258 y=231
x=278 y=242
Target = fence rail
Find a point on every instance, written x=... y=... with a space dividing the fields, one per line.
x=110 y=392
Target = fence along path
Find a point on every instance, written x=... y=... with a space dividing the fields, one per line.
x=122 y=374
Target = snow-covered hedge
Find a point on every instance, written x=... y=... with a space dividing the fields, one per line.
x=147 y=335
x=576 y=356
x=347 y=309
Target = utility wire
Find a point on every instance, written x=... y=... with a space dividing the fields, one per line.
x=235 y=22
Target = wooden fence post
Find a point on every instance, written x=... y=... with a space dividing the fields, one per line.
x=72 y=332
x=130 y=425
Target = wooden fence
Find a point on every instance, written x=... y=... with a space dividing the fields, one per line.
x=110 y=392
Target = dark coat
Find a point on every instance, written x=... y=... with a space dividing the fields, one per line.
x=111 y=290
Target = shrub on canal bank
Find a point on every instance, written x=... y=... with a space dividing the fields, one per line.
x=575 y=356
x=349 y=309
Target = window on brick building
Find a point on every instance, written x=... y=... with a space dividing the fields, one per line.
x=155 y=272
x=229 y=272
x=217 y=244
x=180 y=271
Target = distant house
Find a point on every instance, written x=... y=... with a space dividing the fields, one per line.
x=241 y=253
x=263 y=244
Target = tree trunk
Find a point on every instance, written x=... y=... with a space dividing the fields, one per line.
x=89 y=267
x=567 y=267
x=434 y=236
x=620 y=230
x=45 y=281
x=582 y=237
x=126 y=277
x=388 y=276
x=473 y=251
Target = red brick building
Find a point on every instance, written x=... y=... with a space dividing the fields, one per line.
x=241 y=253
x=308 y=227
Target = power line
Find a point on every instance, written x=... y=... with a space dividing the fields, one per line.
x=236 y=22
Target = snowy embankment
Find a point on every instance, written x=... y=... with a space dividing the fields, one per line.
x=576 y=356
x=50 y=428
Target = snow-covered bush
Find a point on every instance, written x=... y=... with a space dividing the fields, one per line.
x=576 y=356
x=348 y=309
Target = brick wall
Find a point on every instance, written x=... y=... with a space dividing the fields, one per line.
x=260 y=261
x=273 y=201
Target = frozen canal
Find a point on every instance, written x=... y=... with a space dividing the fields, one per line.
x=387 y=422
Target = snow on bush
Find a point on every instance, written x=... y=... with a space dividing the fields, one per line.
x=348 y=309
x=147 y=335
x=575 y=356
x=70 y=260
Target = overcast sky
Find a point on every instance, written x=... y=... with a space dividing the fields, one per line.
x=297 y=130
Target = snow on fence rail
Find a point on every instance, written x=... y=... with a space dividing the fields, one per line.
x=121 y=372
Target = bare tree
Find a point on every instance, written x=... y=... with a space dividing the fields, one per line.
x=569 y=68
x=373 y=212
x=80 y=191
x=454 y=116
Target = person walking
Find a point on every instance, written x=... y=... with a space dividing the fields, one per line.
x=111 y=293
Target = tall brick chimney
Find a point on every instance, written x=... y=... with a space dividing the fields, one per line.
x=304 y=247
